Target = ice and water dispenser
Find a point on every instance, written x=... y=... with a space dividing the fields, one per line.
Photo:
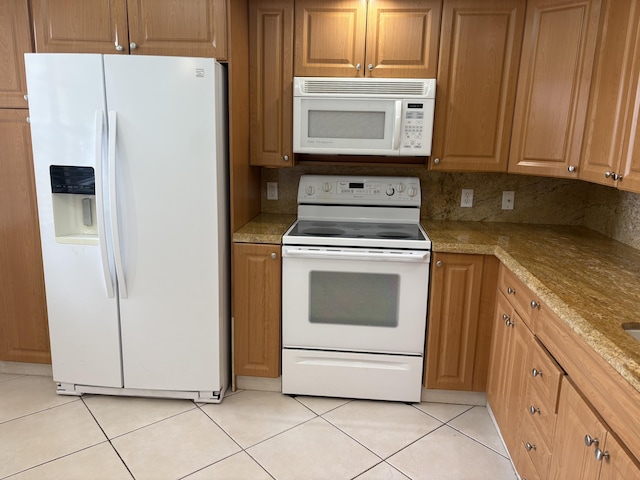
x=74 y=204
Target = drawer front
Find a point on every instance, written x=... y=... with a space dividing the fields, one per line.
x=519 y=295
x=541 y=415
x=524 y=465
x=536 y=448
x=545 y=376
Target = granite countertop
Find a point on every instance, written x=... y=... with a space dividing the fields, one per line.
x=590 y=281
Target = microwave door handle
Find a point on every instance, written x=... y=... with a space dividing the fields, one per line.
x=396 y=125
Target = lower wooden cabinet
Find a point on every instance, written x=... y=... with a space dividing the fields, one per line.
x=24 y=333
x=256 y=284
x=459 y=325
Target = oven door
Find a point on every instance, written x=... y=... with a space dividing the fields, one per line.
x=354 y=299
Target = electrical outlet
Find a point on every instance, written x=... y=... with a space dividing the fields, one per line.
x=467 y=197
x=508 y=200
x=272 y=190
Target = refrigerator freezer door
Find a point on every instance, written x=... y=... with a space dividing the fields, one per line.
x=167 y=197
x=65 y=91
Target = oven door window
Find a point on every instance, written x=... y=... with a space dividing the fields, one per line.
x=348 y=298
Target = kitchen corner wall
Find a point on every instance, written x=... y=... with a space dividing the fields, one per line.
x=538 y=200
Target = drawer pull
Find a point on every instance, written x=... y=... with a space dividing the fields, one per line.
x=533 y=410
x=535 y=373
x=510 y=291
x=534 y=304
x=589 y=440
x=529 y=446
x=600 y=455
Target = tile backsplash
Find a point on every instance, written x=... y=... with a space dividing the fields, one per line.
x=538 y=200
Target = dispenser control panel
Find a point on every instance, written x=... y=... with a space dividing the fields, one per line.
x=72 y=179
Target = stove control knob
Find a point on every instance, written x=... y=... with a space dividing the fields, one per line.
x=390 y=191
x=413 y=191
x=326 y=187
x=401 y=187
x=310 y=190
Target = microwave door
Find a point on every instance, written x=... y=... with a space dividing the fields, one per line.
x=347 y=126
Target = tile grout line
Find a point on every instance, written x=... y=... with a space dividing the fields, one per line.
x=39 y=411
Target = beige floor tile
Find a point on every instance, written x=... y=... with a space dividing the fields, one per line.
x=250 y=417
x=8 y=376
x=174 y=447
x=383 y=427
x=321 y=405
x=120 y=415
x=29 y=394
x=447 y=454
x=237 y=467
x=313 y=450
x=442 y=411
x=478 y=425
x=382 y=471
x=47 y=435
x=98 y=462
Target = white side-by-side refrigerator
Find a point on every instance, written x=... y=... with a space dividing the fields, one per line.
x=130 y=161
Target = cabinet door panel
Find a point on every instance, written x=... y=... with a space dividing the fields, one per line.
x=631 y=148
x=477 y=75
x=553 y=86
x=402 y=38
x=24 y=334
x=256 y=309
x=330 y=38
x=84 y=26
x=191 y=28
x=271 y=82
x=619 y=465
x=498 y=363
x=15 y=41
x=453 y=320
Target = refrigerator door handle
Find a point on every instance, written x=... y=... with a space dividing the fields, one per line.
x=113 y=202
x=102 y=237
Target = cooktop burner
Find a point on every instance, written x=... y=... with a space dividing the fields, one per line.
x=405 y=231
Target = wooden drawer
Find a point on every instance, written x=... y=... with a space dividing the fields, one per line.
x=535 y=447
x=541 y=414
x=523 y=300
x=545 y=375
x=524 y=465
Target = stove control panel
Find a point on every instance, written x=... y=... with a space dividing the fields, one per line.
x=355 y=190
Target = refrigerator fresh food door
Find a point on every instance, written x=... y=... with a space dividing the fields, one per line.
x=68 y=128
x=167 y=219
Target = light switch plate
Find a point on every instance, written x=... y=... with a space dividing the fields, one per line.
x=508 y=200
x=272 y=190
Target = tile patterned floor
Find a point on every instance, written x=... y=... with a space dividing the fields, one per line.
x=250 y=435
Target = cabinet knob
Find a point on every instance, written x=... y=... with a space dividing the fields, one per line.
x=534 y=304
x=28 y=119
x=119 y=48
x=370 y=67
x=285 y=158
x=274 y=255
x=436 y=161
x=589 y=440
x=439 y=263
x=536 y=373
x=26 y=97
x=571 y=168
x=507 y=320
x=615 y=176
x=607 y=174
x=133 y=45
x=600 y=454
x=529 y=446
x=358 y=67
x=533 y=410
x=510 y=291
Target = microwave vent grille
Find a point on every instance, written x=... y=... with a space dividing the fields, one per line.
x=352 y=87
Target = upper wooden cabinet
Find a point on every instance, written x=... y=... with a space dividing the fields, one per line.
x=15 y=41
x=196 y=28
x=271 y=82
x=553 y=86
x=611 y=147
x=477 y=73
x=347 y=38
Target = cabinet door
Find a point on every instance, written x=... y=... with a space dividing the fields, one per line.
x=190 y=28
x=271 y=82
x=256 y=309
x=330 y=38
x=617 y=463
x=610 y=90
x=498 y=363
x=15 y=39
x=24 y=334
x=553 y=86
x=85 y=26
x=477 y=73
x=456 y=281
x=572 y=458
x=402 y=38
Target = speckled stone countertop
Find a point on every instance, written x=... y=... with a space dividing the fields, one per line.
x=265 y=228
x=590 y=281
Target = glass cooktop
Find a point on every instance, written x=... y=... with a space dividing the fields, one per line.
x=386 y=231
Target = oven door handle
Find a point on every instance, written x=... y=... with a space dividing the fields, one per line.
x=368 y=255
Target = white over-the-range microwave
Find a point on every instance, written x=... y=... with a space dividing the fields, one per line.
x=363 y=116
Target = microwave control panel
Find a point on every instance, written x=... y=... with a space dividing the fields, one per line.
x=416 y=128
